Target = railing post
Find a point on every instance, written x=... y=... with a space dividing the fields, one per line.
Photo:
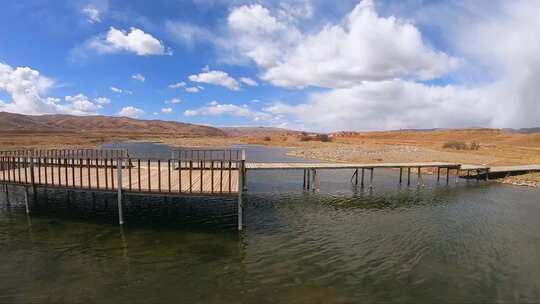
x=244 y=172
x=371 y=178
x=26 y=199
x=119 y=187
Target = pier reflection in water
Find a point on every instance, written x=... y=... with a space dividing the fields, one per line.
x=470 y=242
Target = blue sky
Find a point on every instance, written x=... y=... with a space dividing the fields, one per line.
x=306 y=64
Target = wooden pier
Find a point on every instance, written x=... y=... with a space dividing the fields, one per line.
x=193 y=172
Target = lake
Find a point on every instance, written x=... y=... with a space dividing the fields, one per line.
x=465 y=242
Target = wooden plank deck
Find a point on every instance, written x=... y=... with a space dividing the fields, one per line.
x=297 y=166
x=502 y=169
x=196 y=181
x=510 y=169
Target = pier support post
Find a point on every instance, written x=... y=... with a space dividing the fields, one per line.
x=438 y=174
x=244 y=171
x=240 y=202
x=356 y=177
x=7 y=194
x=26 y=200
x=33 y=181
x=400 y=175
x=408 y=176
x=119 y=162
x=304 y=182
x=447 y=175
x=362 y=179
x=371 y=178
x=420 y=181
x=316 y=181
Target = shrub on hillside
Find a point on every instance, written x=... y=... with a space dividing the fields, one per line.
x=460 y=145
x=324 y=138
x=474 y=146
x=456 y=145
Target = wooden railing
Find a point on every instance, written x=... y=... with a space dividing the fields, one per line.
x=107 y=171
x=209 y=154
x=68 y=153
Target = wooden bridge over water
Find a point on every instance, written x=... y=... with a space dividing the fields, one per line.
x=191 y=172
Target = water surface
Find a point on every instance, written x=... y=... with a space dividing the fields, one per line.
x=470 y=242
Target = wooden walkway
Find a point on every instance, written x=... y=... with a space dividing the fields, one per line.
x=499 y=170
x=302 y=166
x=192 y=172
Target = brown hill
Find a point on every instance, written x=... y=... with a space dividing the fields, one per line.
x=10 y=122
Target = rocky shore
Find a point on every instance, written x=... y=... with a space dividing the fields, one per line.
x=527 y=180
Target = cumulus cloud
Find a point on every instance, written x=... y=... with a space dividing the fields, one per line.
x=80 y=104
x=92 y=14
x=138 y=77
x=188 y=34
x=166 y=110
x=135 y=41
x=193 y=89
x=173 y=101
x=248 y=81
x=219 y=78
x=102 y=100
x=376 y=70
x=27 y=88
x=362 y=47
x=372 y=106
x=131 y=111
x=120 y=91
x=217 y=109
x=177 y=85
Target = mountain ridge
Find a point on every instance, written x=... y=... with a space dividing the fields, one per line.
x=10 y=122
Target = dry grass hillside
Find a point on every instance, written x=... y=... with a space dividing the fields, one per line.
x=24 y=131
x=492 y=146
x=68 y=123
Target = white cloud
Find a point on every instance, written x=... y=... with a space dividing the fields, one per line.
x=138 y=77
x=362 y=47
x=193 y=90
x=173 y=101
x=102 y=100
x=131 y=111
x=166 y=110
x=188 y=34
x=505 y=46
x=120 y=91
x=255 y=33
x=135 y=41
x=248 y=81
x=27 y=88
x=80 y=104
x=177 y=85
x=216 y=78
x=92 y=14
x=372 y=106
x=217 y=109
